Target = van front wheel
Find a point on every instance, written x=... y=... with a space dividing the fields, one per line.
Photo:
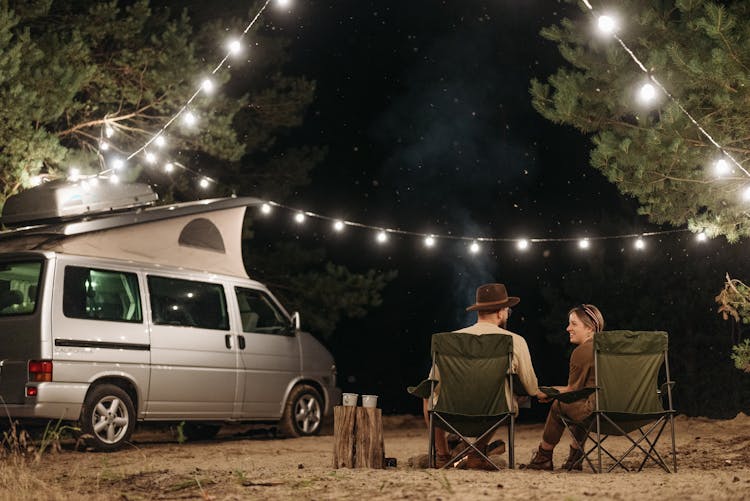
x=303 y=412
x=108 y=418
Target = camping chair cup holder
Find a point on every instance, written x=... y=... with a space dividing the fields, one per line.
x=471 y=393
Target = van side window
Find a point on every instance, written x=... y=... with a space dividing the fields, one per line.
x=259 y=313
x=19 y=284
x=101 y=295
x=188 y=303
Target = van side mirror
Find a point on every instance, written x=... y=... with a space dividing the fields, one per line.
x=295 y=321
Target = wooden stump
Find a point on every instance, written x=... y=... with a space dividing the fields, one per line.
x=357 y=437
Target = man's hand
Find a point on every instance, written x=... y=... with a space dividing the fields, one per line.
x=542 y=397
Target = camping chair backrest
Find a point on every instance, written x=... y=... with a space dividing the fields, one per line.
x=627 y=370
x=472 y=370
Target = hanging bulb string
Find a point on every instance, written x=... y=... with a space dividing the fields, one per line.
x=195 y=94
x=410 y=233
x=671 y=97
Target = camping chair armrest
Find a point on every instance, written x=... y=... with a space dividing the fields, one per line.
x=573 y=396
x=423 y=389
x=663 y=388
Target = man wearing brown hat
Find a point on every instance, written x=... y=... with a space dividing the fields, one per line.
x=493 y=309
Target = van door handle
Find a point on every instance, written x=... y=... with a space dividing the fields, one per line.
x=228 y=341
x=241 y=339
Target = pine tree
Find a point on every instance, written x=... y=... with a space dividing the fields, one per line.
x=700 y=51
x=72 y=71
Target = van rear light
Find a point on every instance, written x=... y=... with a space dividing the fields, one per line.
x=40 y=370
x=31 y=391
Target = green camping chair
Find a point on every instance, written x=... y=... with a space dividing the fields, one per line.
x=472 y=402
x=628 y=401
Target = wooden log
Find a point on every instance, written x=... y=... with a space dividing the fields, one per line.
x=368 y=444
x=344 y=420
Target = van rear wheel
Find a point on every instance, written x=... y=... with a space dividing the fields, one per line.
x=303 y=413
x=108 y=418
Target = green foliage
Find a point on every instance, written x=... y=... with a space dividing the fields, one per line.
x=734 y=303
x=321 y=291
x=701 y=51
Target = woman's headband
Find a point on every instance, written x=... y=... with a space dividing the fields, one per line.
x=590 y=313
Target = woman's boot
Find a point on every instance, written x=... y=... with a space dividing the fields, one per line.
x=541 y=460
x=574 y=461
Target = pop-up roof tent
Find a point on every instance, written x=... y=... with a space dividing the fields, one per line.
x=203 y=235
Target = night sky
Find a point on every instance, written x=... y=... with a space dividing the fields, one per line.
x=425 y=110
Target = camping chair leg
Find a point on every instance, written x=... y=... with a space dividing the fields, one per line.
x=636 y=443
x=511 y=444
x=674 y=449
x=598 y=441
x=587 y=434
x=605 y=451
x=431 y=451
x=470 y=445
x=652 y=448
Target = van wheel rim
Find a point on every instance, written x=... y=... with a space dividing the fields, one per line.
x=110 y=420
x=308 y=414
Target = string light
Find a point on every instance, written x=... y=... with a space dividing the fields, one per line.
x=647 y=93
x=381 y=237
x=235 y=46
x=338 y=226
x=207 y=85
x=114 y=179
x=583 y=243
x=103 y=145
x=160 y=141
x=150 y=158
x=109 y=131
x=283 y=3
x=474 y=247
x=522 y=244
x=188 y=118
x=701 y=237
x=74 y=173
x=429 y=241
x=640 y=244
x=266 y=209
x=204 y=183
x=606 y=24
x=168 y=167
x=299 y=217
x=118 y=163
x=722 y=167
x=658 y=85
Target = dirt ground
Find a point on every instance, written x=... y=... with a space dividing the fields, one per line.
x=713 y=462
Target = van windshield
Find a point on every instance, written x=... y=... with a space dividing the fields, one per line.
x=19 y=287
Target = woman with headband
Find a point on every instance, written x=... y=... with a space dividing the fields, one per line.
x=583 y=322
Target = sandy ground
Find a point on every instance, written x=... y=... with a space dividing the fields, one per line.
x=713 y=461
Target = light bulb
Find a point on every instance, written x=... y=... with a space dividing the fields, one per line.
x=429 y=241
x=265 y=208
x=234 y=47
x=382 y=237
x=474 y=247
x=640 y=244
x=522 y=244
x=204 y=183
x=74 y=173
x=299 y=217
x=283 y=3
x=114 y=179
x=701 y=237
x=108 y=130
x=189 y=118
x=103 y=145
x=583 y=243
x=338 y=225
x=160 y=141
x=606 y=24
x=150 y=157
x=168 y=167
x=647 y=93
x=118 y=164
x=722 y=167
x=207 y=85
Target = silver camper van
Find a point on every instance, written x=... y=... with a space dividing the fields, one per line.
x=147 y=314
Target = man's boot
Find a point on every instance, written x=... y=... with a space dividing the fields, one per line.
x=574 y=461
x=541 y=460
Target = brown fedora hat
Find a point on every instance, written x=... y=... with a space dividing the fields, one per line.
x=492 y=297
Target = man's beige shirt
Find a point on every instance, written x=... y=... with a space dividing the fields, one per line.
x=521 y=360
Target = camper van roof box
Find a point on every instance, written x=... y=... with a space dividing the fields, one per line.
x=62 y=200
